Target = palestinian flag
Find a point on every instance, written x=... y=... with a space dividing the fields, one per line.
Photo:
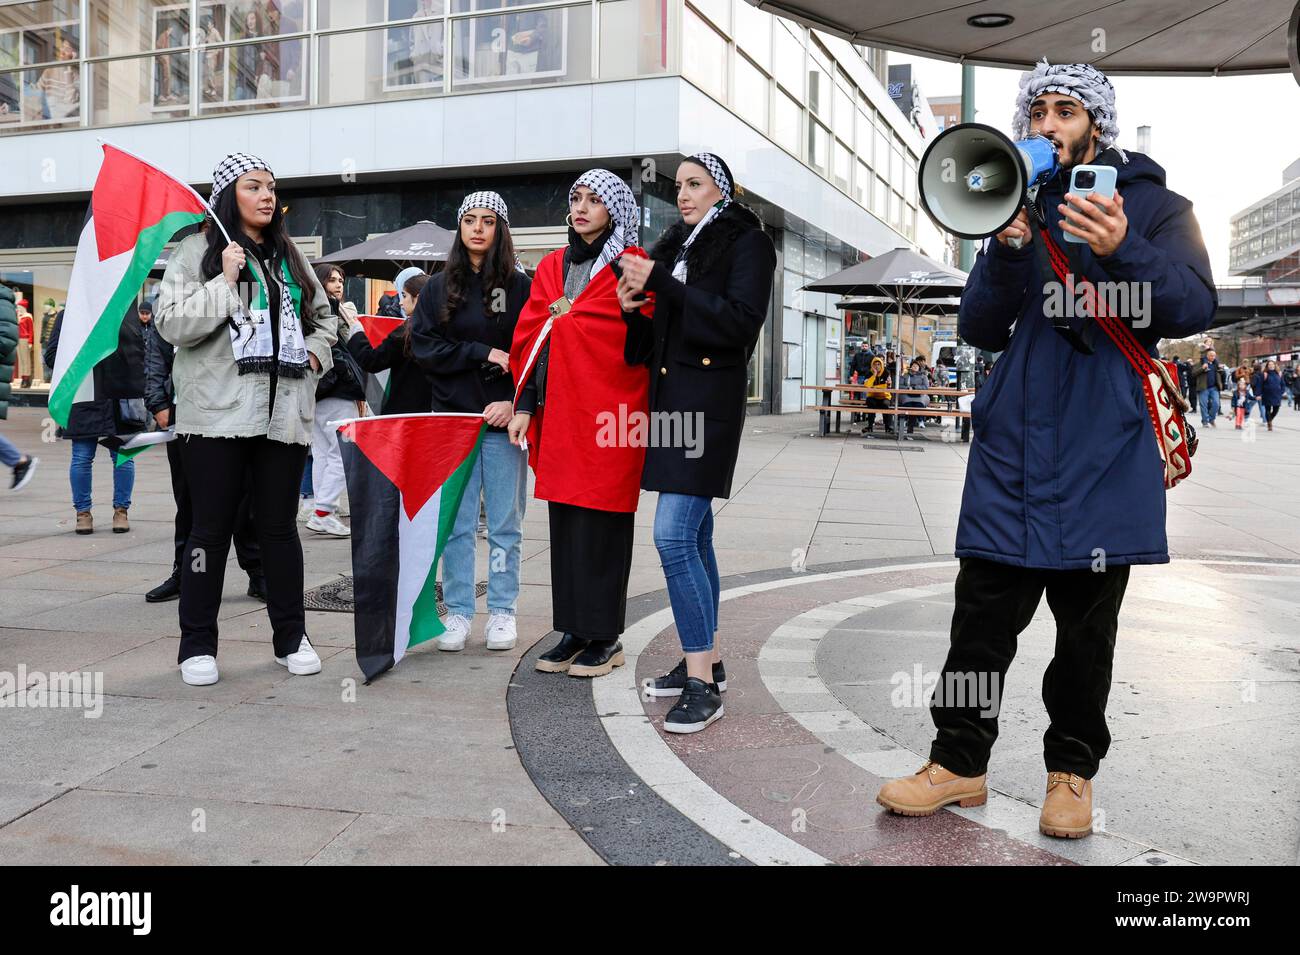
x=406 y=476
x=135 y=209
x=376 y=329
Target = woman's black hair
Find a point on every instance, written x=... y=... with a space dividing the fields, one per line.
x=325 y=271
x=275 y=233
x=497 y=269
x=412 y=287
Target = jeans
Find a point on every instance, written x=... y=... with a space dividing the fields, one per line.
x=994 y=604
x=9 y=454
x=500 y=474
x=1209 y=399
x=218 y=469
x=683 y=535
x=79 y=474
x=304 y=487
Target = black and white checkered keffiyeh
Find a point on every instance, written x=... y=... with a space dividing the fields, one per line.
x=484 y=200
x=231 y=168
x=716 y=169
x=623 y=213
x=1082 y=81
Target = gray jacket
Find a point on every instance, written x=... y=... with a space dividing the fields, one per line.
x=212 y=398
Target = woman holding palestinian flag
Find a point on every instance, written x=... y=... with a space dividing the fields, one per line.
x=253 y=330
x=573 y=367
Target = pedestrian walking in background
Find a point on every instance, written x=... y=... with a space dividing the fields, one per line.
x=1270 y=391
x=1243 y=399
x=1209 y=379
x=23 y=466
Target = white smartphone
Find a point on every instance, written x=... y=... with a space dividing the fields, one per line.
x=1090 y=179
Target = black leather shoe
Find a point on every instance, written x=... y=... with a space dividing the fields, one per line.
x=598 y=659
x=257 y=588
x=700 y=705
x=558 y=658
x=169 y=589
x=671 y=683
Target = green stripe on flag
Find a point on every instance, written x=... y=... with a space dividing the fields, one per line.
x=425 y=624
x=101 y=341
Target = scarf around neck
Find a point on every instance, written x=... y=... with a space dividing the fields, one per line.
x=251 y=337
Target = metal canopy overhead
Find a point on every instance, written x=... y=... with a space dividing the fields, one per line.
x=1145 y=37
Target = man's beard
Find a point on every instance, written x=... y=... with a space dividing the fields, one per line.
x=1077 y=149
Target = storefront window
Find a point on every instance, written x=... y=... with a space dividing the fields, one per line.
x=42 y=292
x=381 y=64
x=643 y=20
x=266 y=74
x=704 y=56
x=528 y=47
x=40 y=75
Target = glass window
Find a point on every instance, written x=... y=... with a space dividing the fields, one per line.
x=46 y=32
x=862 y=185
x=751 y=93
x=526 y=47
x=788 y=117
x=45 y=287
x=793 y=247
x=753 y=32
x=645 y=20
x=249 y=20
x=704 y=56
x=880 y=207
x=139 y=90
x=819 y=94
x=866 y=137
x=843 y=165
x=381 y=64
x=818 y=145
x=1270 y=213
x=266 y=74
x=896 y=208
x=138 y=26
x=844 y=114
x=909 y=181
x=789 y=60
x=719 y=11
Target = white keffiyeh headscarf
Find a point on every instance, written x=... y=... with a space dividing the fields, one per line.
x=721 y=175
x=1083 y=82
x=484 y=200
x=251 y=338
x=623 y=213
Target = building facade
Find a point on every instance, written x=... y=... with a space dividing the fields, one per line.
x=378 y=113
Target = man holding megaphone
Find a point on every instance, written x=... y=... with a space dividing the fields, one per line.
x=1065 y=485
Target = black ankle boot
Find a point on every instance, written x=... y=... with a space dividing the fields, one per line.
x=257 y=588
x=671 y=683
x=700 y=705
x=598 y=659
x=558 y=658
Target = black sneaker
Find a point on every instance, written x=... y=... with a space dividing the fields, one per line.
x=169 y=589
x=559 y=657
x=598 y=659
x=23 y=473
x=671 y=683
x=700 y=705
x=257 y=588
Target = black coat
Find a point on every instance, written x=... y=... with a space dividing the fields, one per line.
x=698 y=348
x=119 y=376
x=408 y=387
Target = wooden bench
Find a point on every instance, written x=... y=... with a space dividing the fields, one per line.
x=850 y=401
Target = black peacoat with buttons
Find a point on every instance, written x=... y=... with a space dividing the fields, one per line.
x=698 y=347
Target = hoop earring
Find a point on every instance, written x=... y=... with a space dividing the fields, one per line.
x=568 y=220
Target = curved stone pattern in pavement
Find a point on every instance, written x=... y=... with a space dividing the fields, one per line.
x=829 y=671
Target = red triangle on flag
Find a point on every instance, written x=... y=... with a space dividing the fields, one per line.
x=378 y=327
x=418 y=453
x=130 y=196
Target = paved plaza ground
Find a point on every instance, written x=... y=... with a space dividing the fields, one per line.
x=837 y=562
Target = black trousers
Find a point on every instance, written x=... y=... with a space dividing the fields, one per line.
x=216 y=469
x=995 y=603
x=591 y=562
x=247 y=550
x=887 y=418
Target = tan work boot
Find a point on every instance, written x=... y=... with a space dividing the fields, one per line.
x=120 y=524
x=1067 y=810
x=930 y=789
x=85 y=523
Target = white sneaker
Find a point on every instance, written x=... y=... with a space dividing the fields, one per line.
x=501 y=631
x=329 y=524
x=199 y=671
x=306 y=509
x=303 y=662
x=457 y=630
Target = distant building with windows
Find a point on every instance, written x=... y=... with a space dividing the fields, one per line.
x=1265 y=239
x=378 y=113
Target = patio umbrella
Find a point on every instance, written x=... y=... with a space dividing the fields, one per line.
x=1143 y=37
x=384 y=256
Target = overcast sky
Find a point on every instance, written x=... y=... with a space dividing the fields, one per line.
x=1223 y=141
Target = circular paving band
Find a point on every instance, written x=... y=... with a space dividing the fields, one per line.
x=790 y=775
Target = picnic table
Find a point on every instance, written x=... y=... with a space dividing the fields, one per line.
x=853 y=399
